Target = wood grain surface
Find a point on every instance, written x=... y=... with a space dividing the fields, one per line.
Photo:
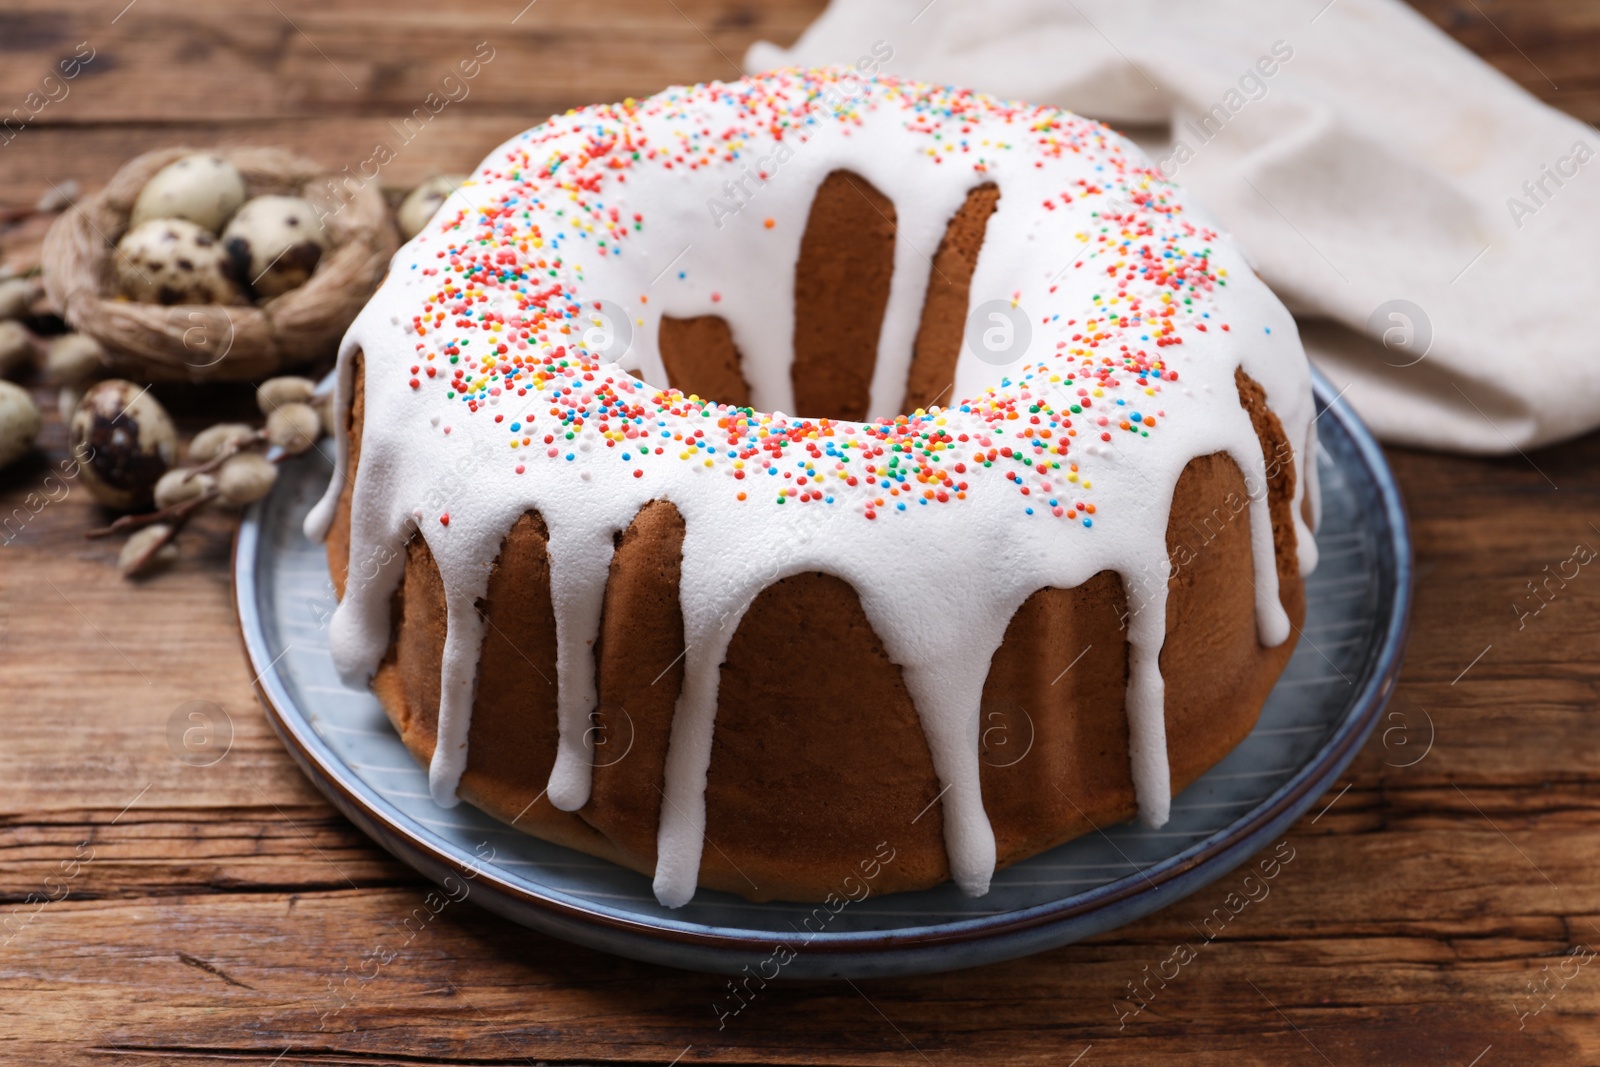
x=157 y=912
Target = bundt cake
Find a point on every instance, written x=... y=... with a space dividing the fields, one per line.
x=770 y=480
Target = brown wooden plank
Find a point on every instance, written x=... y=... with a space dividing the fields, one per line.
x=218 y=907
x=162 y=60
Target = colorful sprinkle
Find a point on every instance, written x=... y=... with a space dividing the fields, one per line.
x=506 y=316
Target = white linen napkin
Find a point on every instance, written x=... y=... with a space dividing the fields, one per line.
x=1388 y=183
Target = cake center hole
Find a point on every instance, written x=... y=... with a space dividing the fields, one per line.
x=841 y=293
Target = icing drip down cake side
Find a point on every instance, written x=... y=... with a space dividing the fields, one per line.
x=754 y=481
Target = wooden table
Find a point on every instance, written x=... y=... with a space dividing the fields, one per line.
x=201 y=913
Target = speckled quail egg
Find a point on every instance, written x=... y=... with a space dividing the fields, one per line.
x=19 y=422
x=126 y=442
x=275 y=243
x=174 y=261
x=16 y=296
x=16 y=348
x=203 y=188
x=422 y=202
x=74 y=358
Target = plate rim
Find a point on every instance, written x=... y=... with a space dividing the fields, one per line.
x=422 y=848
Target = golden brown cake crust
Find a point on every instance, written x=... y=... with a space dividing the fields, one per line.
x=841 y=289
x=702 y=360
x=944 y=308
x=819 y=757
x=819 y=761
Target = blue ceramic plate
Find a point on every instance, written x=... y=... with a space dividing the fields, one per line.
x=1317 y=718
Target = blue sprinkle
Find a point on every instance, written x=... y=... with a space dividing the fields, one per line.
x=900 y=507
x=1028 y=510
x=1136 y=417
x=1088 y=522
x=570 y=457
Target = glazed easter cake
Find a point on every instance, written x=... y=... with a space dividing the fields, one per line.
x=1025 y=560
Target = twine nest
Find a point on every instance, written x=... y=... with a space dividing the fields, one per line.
x=212 y=342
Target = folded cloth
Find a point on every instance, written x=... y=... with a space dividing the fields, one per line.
x=1434 y=228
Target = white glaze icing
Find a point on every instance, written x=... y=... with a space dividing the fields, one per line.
x=939 y=581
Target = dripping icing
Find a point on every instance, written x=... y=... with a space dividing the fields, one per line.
x=987 y=556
